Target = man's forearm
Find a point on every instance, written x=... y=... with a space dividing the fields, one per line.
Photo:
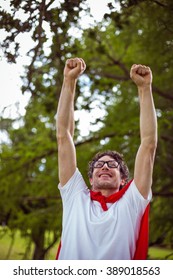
x=65 y=113
x=148 y=120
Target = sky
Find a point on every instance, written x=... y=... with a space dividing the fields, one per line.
x=12 y=102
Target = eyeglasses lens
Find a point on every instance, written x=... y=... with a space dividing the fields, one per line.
x=110 y=164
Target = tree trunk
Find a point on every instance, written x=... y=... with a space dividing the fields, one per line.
x=38 y=239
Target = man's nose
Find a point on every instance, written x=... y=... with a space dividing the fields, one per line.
x=105 y=166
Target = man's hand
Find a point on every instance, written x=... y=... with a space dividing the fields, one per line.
x=141 y=75
x=74 y=67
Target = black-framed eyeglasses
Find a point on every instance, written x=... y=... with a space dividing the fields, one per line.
x=110 y=164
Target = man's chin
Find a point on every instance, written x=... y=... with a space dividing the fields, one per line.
x=106 y=186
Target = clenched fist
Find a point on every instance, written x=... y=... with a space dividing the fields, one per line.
x=141 y=75
x=74 y=67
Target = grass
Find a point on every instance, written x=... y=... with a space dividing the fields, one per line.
x=158 y=253
x=18 y=248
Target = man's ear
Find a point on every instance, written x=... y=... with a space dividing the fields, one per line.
x=123 y=181
x=91 y=181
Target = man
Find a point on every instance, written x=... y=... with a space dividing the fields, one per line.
x=104 y=223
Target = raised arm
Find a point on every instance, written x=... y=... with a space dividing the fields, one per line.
x=143 y=171
x=65 y=119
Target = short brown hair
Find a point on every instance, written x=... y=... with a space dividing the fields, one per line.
x=115 y=155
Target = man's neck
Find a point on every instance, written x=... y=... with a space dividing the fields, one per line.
x=106 y=192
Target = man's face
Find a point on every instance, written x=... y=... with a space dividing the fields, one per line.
x=106 y=178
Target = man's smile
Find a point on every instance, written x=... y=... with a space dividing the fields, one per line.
x=105 y=174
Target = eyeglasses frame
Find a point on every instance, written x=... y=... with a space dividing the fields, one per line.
x=107 y=162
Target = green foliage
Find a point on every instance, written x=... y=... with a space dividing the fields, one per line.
x=141 y=32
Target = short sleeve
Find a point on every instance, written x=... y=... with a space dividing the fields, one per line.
x=134 y=197
x=75 y=185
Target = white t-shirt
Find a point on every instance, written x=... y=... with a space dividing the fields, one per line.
x=89 y=232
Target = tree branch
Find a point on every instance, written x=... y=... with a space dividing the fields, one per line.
x=39 y=44
x=167 y=95
x=49 y=4
x=164 y=195
x=160 y=4
x=167 y=138
x=112 y=76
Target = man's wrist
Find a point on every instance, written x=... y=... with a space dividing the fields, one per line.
x=70 y=79
x=144 y=88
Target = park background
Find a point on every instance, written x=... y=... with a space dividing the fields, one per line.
x=106 y=111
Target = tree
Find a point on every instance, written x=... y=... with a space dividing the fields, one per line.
x=30 y=160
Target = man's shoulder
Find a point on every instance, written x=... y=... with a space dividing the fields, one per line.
x=74 y=186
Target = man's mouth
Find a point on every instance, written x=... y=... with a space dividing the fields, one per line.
x=105 y=175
